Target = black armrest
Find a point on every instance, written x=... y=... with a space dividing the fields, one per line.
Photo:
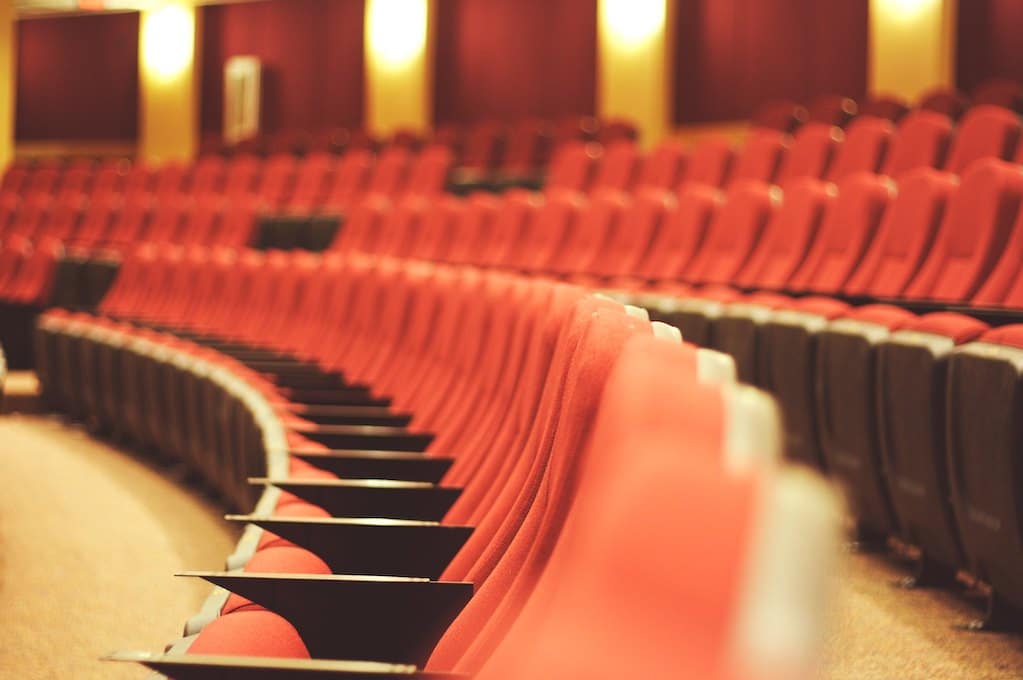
x=372 y=497
x=368 y=437
x=352 y=415
x=310 y=380
x=397 y=465
x=376 y=618
x=380 y=547
x=357 y=396
x=210 y=667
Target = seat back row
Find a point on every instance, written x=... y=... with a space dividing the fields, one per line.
x=373 y=336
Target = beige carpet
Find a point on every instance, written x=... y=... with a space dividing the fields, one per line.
x=880 y=631
x=89 y=541
x=90 y=538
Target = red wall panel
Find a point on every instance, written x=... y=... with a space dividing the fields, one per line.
x=312 y=60
x=507 y=59
x=989 y=41
x=77 y=78
x=733 y=55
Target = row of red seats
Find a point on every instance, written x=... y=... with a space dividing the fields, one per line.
x=27 y=270
x=899 y=407
x=521 y=147
x=281 y=181
x=587 y=447
x=695 y=233
x=211 y=203
x=788 y=116
x=869 y=144
x=221 y=195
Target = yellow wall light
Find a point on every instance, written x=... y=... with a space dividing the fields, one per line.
x=912 y=46
x=396 y=31
x=909 y=10
x=168 y=41
x=630 y=24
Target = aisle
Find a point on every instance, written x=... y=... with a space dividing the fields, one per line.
x=89 y=541
x=880 y=632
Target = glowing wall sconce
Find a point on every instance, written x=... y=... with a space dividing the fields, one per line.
x=396 y=31
x=630 y=24
x=168 y=41
x=909 y=10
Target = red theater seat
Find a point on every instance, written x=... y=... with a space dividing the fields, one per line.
x=811 y=152
x=663 y=166
x=780 y=115
x=760 y=157
x=867 y=141
x=951 y=103
x=710 y=162
x=1003 y=92
x=984 y=132
x=921 y=141
x=884 y=106
x=250 y=633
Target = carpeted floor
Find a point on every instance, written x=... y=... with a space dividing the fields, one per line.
x=90 y=538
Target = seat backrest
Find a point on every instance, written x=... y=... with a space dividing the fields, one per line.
x=811 y=152
x=527 y=147
x=788 y=235
x=580 y=375
x=508 y=227
x=866 y=144
x=984 y=132
x=905 y=234
x=1004 y=285
x=780 y=115
x=390 y=172
x=616 y=130
x=760 y=157
x=472 y=229
x=311 y=181
x=921 y=141
x=241 y=175
x=710 y=162
x=400 y=229
x=610 y=601
x=361 y=225
x=428 y=175
x=948 y=102
x=885 y=106
x=631 y=235
x=683 y=226
x=663 y=166
x=572 y=166
x=351 y=176
x=617 y=168
x=438 y=228
x=734 y=232
x=976 y=228
x=545 y=232
x=1003 y=92
x=847 y=229
x=483 y=145
x=593 y=236
x=832 y=109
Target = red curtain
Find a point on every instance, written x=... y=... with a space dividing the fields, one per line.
x=77 y=77
x=506 y=59
x=312 y=53
x=989 y=41
x=733 y=55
